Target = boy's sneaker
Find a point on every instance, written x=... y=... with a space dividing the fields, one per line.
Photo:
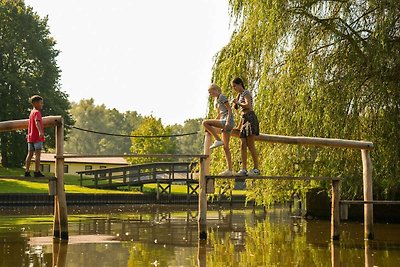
x=242 y=172
x=217 y=143
x=38 y=174
x=27 y=174
x=226 y=173
x=254 y=172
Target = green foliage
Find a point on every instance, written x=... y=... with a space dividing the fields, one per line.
x=319 y=68
x=27 y=66
x=151 y=126
x=190 y=144
x=87 y=115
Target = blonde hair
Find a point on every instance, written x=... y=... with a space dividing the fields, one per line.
x=215 y=87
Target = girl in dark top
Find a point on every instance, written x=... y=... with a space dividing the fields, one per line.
x=248 y=126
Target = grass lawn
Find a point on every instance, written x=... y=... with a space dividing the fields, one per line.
x=72 y=185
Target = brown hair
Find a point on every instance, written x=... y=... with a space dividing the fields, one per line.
x=35 y=98
x=238 y=80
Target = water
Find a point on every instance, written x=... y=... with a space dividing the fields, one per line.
x=167 y=236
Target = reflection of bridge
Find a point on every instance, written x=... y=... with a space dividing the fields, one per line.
x=164 y=174
x=168 y=228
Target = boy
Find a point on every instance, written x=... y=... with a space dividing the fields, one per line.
x=35 y=136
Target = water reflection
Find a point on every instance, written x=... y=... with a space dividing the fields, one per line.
x=60 y=249
x=167 y=236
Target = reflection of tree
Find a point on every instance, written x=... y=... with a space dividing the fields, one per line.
x=286 y=244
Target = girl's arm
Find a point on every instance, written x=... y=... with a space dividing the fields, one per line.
x=246 y=104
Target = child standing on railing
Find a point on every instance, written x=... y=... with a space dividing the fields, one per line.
x=224 y=120
x=35 y=136
x=248 y=127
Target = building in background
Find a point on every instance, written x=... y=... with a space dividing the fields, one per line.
x=72 y=165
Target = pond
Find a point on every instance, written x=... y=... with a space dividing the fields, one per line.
x=167 y=236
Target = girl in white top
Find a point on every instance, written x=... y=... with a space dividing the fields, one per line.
x=224 y=121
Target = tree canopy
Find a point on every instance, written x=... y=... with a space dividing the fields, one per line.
x=90 y=116
x=151 y=126
x=27 y=66
x=320 y=68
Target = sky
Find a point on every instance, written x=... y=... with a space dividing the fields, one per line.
x=154 y=57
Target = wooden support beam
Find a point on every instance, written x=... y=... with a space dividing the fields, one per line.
x=367 y=190
x=204 y=168
x=133 y=156
x=375 y=202
x=335 y=210
x=311 y=141
x=60 y=202
x=259 y=177
x=8 y=126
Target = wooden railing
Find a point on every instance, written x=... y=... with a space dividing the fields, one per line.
x=60 y=226
x=140 y=174
x=364 y=146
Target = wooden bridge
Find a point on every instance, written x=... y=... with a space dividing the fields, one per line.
x=60 y=205
x=164 y=174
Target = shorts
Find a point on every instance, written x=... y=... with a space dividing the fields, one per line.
x=250 y=125
x=231 y=124
x=35 y=146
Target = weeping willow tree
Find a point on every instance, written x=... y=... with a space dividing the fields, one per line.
x=319 y=68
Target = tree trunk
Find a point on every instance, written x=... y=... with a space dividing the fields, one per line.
x=4 y=154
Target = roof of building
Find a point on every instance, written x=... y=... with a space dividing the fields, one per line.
x=49 y=157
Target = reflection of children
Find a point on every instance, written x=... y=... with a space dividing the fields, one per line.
x=249 y=126
x=224 y=121
x=35 y=136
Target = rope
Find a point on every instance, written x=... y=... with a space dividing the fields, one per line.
x=131 y=136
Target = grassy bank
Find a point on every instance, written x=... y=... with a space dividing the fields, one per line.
x=72 y=185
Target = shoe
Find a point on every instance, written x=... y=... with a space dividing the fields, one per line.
x=217 y=143
x=38 y=174
x=226 y=173
x=242 y=172
x=254 y=172
x=27 y=174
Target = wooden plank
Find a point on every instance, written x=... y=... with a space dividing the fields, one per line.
x=135 y=156
x=48 y=121
x=375 y=202
x=202 y=220
x=311 y=141
x=300 y=178
x=30 y=179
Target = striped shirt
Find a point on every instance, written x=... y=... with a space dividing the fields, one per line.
x=219 y=103
x=242 y=99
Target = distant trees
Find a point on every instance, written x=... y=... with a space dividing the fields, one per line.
x=151 y=126
x=320 y=68
x=190 y=144
x=27 y=66
x=89 y=116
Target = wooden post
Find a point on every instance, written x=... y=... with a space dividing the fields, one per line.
x=204 y=170
x=367 y=189
x=335 y=213
x=202 y=221
x=207 y=152
x=60 y=202
x=96 y=180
